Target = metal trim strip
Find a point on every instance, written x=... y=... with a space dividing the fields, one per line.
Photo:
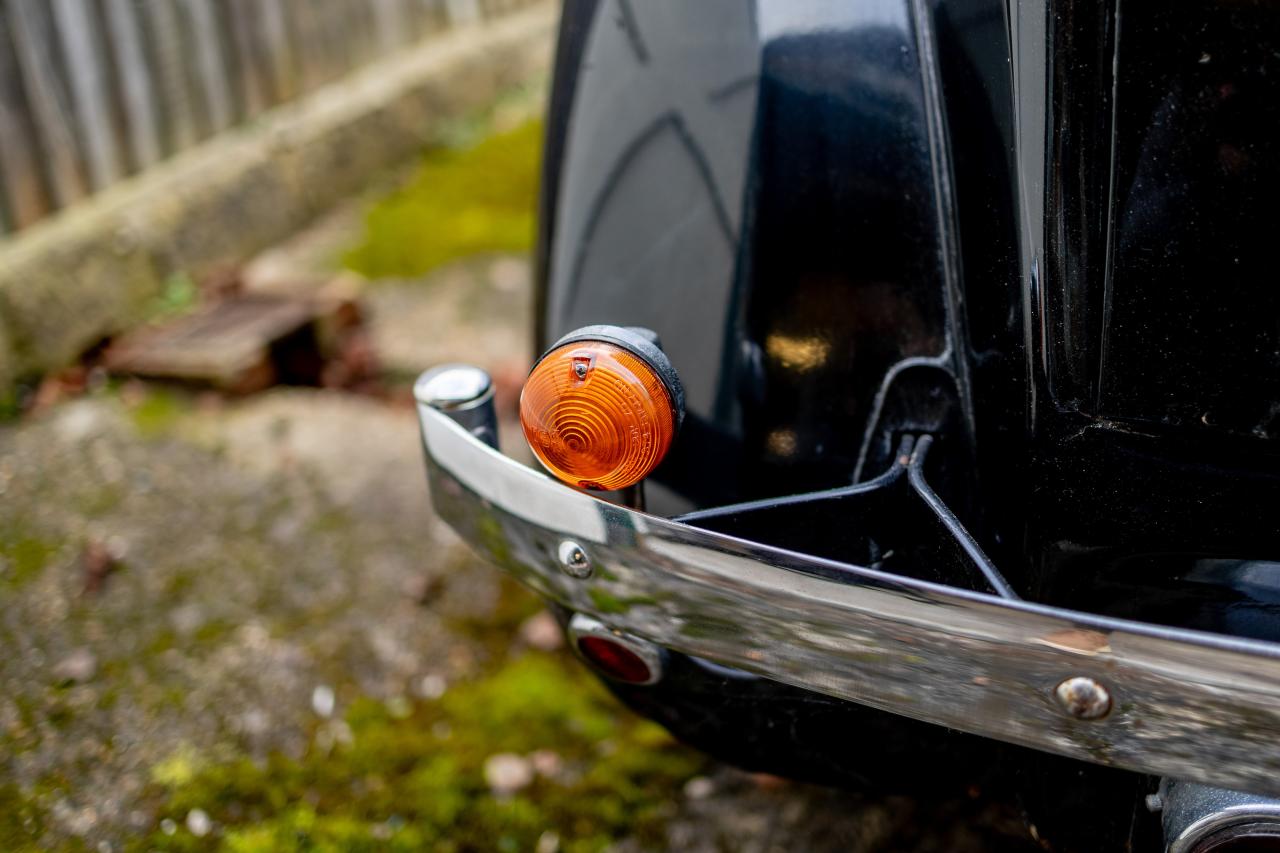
x=1185 y=704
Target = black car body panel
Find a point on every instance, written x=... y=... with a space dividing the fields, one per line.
x=1039 y=231
x=766 y=206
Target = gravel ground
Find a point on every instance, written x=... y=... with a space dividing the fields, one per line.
x=190 y=582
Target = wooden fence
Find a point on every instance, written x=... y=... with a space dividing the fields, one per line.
x=92 y=91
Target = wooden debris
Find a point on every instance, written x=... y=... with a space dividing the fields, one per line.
x=244 y=343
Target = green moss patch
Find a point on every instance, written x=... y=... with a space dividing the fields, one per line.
x=21 y=820
x=411 y=776
x=23 y=556
x=158 y=412
x=461 y=202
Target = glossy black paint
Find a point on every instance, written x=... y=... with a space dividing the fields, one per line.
x=1153 y=425
x=765 y=203
x=1038 y=231
x=894 y=522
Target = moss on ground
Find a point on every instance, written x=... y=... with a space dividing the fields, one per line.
x=10 y=405
x=410 y=776
x=158 y=411
x=461 y=202
x=23 y=556
x=22 y=820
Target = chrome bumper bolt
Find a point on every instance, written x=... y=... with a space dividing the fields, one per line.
x=1083 y=698
x=574 y=561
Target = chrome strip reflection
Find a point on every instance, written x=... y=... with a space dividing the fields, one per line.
x=1190 y=705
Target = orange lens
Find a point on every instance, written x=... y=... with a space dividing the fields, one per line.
x=597 y=415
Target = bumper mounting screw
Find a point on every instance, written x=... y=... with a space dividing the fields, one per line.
x=1083 y=698
x=574 y=561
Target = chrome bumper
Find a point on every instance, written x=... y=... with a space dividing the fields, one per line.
x=1184 y=704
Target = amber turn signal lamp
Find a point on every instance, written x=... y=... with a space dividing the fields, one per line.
x=601 y=408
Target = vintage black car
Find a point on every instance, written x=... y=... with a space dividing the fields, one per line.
x=911 y=384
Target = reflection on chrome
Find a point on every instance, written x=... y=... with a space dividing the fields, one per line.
x=1183 y=704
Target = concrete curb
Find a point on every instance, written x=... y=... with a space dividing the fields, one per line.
x=68 y=282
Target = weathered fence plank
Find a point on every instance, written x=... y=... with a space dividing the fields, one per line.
x=24 y=197
x=304 y=36
x=94 y=90
x=431 y=15
x=462 y=11
x=205 y=37
x=364 y=41
x=391 y=23
x=276 y=51
x=337 y=26
x=138 y=97
x=253 y=83
x=171 y=70
x=34 y=50
x=342 y=24
x=87 y=78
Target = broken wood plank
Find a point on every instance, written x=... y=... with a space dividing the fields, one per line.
x=228 y=344
x=242 y=343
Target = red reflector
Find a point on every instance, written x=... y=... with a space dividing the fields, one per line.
x=615 y=660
